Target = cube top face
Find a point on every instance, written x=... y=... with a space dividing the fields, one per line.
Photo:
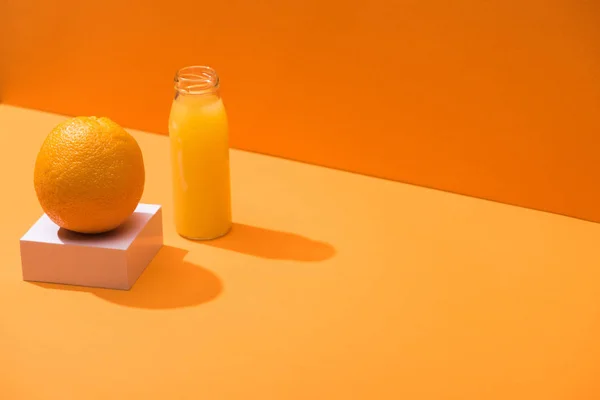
x=46 y=231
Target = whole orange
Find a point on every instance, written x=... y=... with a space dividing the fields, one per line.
x=89 y=175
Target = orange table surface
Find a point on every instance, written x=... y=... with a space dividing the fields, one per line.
x=330 y=286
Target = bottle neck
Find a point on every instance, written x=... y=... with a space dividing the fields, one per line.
x=196 y=80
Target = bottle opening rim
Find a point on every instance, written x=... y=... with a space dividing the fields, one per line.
x=196 y=79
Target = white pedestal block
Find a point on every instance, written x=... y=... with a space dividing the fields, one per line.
x=112 y=260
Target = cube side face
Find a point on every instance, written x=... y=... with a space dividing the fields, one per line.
x=145 y=246
x=74 y=265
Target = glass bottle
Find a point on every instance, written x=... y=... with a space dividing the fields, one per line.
x=199 y=136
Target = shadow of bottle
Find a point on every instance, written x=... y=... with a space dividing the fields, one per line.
x=267 y=243
x=167 y=282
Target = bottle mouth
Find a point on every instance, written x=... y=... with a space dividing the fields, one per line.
x=196 y=79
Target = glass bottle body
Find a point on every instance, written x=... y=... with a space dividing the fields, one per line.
x=199 y=136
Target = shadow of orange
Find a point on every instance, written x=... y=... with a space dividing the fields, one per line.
x=267 y=243
x=168 y=282
x=126 y=229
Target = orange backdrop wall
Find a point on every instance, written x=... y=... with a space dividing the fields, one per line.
x=496 y=99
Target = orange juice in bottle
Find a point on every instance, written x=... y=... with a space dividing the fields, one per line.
x=198 y=132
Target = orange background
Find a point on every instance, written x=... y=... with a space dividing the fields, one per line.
x=497 y=99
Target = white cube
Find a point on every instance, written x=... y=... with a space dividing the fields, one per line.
x=113 y=260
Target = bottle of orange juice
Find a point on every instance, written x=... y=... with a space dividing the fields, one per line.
x=198 y=131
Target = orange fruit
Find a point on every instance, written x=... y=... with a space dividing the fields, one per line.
x=89 y=175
